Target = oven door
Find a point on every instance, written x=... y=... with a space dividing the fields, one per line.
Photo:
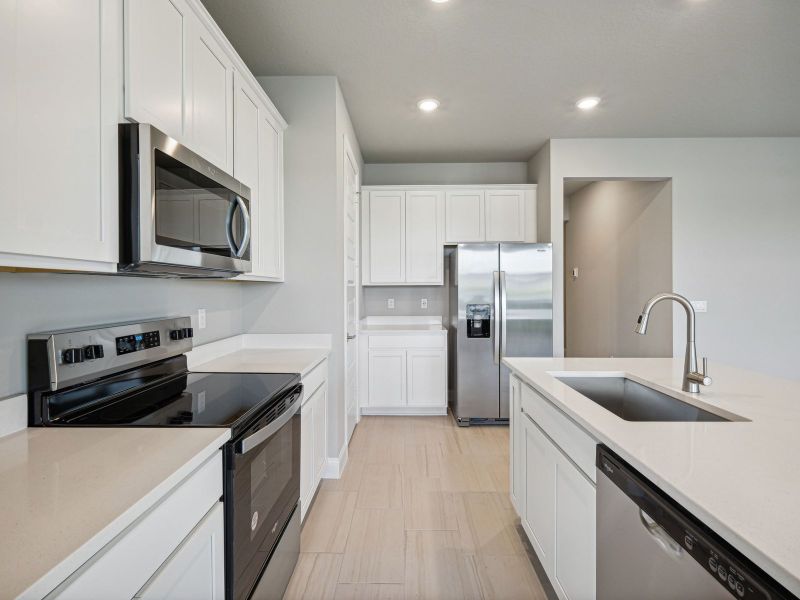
x=188 y=215
x=262 y=490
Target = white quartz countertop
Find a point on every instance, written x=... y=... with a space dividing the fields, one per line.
x=265 y=360
x=66 y=492
x=740 y=478
x=424 y=325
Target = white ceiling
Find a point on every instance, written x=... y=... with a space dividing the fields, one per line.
x=508 y=72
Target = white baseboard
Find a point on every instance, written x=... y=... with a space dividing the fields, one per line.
x=409 y=411
x=334 y=467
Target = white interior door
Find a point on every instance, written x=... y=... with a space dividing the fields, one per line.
x=352 y=277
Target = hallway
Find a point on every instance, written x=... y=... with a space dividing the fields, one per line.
x=422 y=511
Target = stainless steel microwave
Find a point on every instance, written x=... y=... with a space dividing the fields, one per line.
x=180 y=216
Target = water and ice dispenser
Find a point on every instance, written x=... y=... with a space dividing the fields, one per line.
x=478 y=320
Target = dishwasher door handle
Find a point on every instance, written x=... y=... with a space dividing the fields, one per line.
x=661 y=537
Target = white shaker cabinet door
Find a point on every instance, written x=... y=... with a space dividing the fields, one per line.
x=427 y=375
x=196 y=570
x=385 y=243
x=464 y=215
x=211 y=98
x=306 y=455
x=156 y=65
x=505 y=215
x=424 y=214
x=60 y=93
x=387 y=378
x=517 y=449
x=319 y=409
x=270 y=198
x=245 y=158
x=540 y=502
x=574 y=568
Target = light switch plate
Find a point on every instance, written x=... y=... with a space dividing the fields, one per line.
x=201 y=318
x=390 y=303
x=700 y=306
x=423 y=303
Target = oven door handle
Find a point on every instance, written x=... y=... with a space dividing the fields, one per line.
x=255 y=439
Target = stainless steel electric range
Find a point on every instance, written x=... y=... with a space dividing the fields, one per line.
x=135 y=375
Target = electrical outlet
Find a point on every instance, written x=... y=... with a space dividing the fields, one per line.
x=700 y=306
x=390 y=303
x=201 y=318
x=423 y=303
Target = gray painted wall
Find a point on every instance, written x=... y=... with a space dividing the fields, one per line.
x=619 y=237
x=406 y=301
x=735 y=211
x=34 y=302
x=445 y=173
x=539 y=173
x=312 y=298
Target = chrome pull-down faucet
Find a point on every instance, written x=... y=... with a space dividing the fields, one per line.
x=692 y=378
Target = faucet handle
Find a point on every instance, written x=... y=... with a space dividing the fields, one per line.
x=706 y=378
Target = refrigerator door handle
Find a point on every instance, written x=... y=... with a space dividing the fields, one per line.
x=503 y=307
x=496 y=317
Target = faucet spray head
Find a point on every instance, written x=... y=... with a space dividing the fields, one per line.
x=641 y=323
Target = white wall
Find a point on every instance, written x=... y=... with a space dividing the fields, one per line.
x=445 y=173
x=736 y=211
x=35 y=302
x=312 y=298
x=619 y=238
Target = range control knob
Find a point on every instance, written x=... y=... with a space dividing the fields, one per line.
x=93 y=352
x=188 y=332
x=72 y=355
x=177 y=334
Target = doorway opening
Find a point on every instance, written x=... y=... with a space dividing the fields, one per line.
x=617 y=254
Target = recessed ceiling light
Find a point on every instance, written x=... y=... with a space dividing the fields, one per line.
x=428 y=104
x=439 y=1
x=588 y=103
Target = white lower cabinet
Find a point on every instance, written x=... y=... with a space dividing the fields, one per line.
x=167 y=548
x=197 y=568
x=313 y=437
x=426 y=375
x=554 y=497
x=404 y=374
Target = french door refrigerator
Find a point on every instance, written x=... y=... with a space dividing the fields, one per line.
x=501 y=304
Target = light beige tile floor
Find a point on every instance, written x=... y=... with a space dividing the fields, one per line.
x=421 y=511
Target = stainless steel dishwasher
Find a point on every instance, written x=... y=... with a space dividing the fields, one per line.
x=648 y=547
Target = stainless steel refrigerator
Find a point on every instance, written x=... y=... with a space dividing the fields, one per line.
x=501 y=304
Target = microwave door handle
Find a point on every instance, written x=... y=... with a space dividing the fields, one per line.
x=229 y=227
x=246 y=237
x=255 y=439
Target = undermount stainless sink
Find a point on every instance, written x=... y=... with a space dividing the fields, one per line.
x=633 y=401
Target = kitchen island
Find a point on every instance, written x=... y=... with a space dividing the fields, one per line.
x=740 y=477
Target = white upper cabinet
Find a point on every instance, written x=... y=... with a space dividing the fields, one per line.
x=405 y=228
x=270 y=198
x=505 y=215
x=385 y=223
x=211 y=98
x=60 y=98
x=465 y=216
x=156 y=65
x=424 y=213
x=403 y=237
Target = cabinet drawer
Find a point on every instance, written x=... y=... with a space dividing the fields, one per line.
x=407 y=341
x=578 y=445
x=121 y=568
x=313 y=381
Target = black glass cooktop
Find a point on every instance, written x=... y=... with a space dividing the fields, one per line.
x=153 y=397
